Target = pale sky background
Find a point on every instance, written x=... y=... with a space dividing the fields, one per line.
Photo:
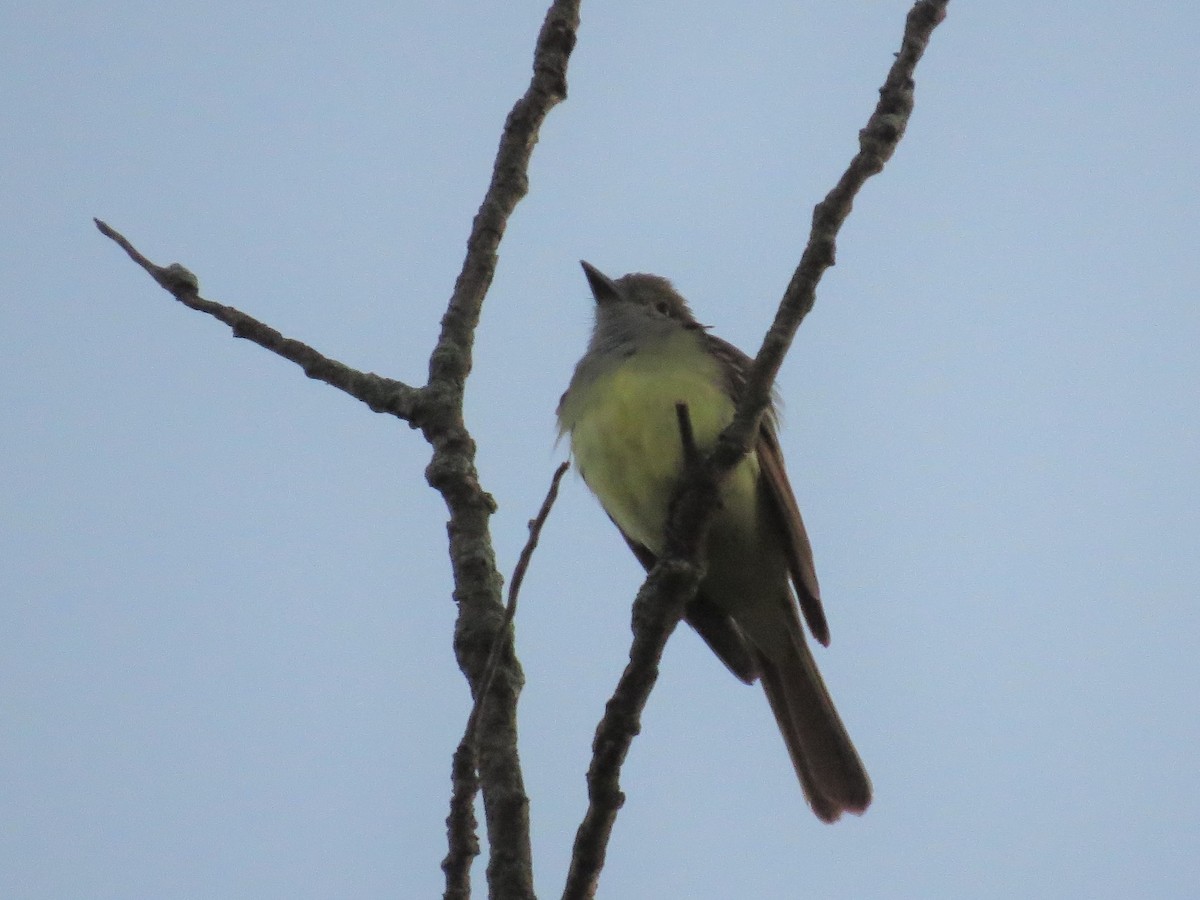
x=225 y=622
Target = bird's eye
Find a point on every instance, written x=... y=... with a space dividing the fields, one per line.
x=662 y=307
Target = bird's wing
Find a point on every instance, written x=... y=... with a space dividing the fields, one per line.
x=781 y=500
x=799 y=550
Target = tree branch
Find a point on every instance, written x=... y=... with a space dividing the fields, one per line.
x=460 y=823
x=877 y=142
x=657 y=609
x=673 y=581
x=436 y=408
x=382 y=395
x=452 y=471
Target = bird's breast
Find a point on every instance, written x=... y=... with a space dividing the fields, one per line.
x=625 y=433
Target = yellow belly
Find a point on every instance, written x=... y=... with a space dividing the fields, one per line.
x=626 y=443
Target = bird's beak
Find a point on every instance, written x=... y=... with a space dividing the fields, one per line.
x=603 y=288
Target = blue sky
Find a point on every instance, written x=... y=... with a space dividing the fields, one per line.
x=225 y=623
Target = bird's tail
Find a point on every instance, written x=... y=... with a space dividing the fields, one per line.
x=832 y=775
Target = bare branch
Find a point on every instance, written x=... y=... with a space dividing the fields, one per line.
x=451 y=359
x=535 y=532
x=673 y=581
x=656 y=611
x=460 y=823
x=877 y=142
x=382 y=395
x=452 y=471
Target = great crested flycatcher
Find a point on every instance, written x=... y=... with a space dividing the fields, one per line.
x=647 y=354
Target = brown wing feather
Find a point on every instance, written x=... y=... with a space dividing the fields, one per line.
x=799 y=550
x=783 y=501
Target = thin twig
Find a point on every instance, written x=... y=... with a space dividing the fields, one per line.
x=514 y=588
x=672 y=582
x=687 y=438
x=460 y=823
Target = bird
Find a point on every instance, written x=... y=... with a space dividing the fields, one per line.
x=647 y=353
